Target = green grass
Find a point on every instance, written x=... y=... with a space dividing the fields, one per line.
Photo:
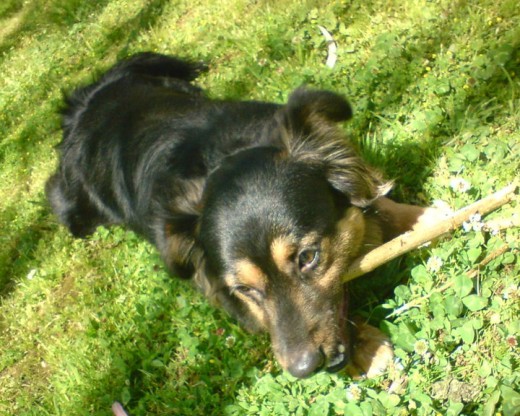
x=436 y=89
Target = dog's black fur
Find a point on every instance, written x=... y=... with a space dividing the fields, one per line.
x=262 y=205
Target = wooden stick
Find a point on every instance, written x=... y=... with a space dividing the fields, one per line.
x=332 y=54
x=413 y=239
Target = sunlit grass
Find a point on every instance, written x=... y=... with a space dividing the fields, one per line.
x=435 y=86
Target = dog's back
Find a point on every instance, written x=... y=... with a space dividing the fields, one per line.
x=151 y=68
x=134 y=140
x=91 y=119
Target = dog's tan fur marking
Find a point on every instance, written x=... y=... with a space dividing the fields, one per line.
x=350 y=229
x=309 y=239
x=282 y=251
x=342 y=247
x=247 y=273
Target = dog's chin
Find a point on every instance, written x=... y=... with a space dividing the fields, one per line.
x=341 y=355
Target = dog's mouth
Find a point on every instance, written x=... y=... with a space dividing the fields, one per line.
x=340 y=358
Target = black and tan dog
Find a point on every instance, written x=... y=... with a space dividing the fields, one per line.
x=262 y=205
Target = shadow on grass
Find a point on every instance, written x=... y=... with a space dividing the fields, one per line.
x=29 y=18
x=115 y=42
x=36 y=125
x=17 y=255
x=171 y=369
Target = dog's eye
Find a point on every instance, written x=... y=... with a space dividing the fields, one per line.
x=308 y=259
x=243 y=289
x=247 y=291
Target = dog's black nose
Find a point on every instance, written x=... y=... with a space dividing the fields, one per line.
x=306 y=363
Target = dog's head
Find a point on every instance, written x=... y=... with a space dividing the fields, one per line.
x=279 y=225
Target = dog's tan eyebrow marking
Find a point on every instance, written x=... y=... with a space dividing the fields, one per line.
x=249 y=274
x=282 y=249
x=309 y=239
x=337 y=251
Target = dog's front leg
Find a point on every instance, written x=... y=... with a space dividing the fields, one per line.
x=372 y=351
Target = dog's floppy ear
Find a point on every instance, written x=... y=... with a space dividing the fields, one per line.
x=176 y=231
x=179 y=249
x=310 y=134
x=178 y=243
x=185 y=258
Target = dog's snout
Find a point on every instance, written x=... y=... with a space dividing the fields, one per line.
x=306 y=363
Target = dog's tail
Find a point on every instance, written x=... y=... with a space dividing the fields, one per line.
x=156 y=65
x=153 y=67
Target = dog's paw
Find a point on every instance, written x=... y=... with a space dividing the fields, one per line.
x=373 y=352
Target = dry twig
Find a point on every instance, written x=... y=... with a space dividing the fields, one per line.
x=413 y=239
x=332 y=54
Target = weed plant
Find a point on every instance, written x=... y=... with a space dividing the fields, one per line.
x=436 y=90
